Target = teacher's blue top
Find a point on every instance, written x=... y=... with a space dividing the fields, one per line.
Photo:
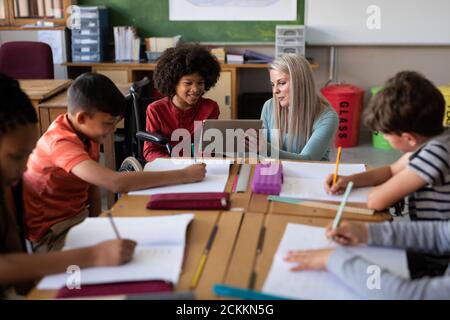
x=317 y=148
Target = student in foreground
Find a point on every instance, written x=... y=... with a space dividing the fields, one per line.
x=18 y=136
x=183 y=75
x=304 y=120
x=351 y=269
x=61 y=184
x=409 y=111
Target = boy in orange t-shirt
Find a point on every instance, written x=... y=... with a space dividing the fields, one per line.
x=63 y=175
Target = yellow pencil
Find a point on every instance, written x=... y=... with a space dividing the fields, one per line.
x=198 y=272
x=336 y=169
x=202 y=262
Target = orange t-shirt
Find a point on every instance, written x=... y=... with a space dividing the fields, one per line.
x=51 y=192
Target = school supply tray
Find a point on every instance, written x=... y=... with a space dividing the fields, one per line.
x=268 y=178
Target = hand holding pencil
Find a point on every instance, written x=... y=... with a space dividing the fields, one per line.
x=338 y=187
x=348 y=233
x=335 y=184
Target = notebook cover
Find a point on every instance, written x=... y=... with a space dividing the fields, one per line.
x=123 y=288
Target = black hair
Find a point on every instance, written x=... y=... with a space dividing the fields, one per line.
x=184 y=60
x=409 y=102
x=15 y=107
x=93 y=92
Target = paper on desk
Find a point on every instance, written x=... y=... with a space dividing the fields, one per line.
x=321 y=284
x=158 y=256
x=306 y=181
x=216 y=178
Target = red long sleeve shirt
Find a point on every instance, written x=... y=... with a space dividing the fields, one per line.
x=164 y=117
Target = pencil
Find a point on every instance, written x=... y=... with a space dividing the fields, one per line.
x=340 y=211
x=116 y=231
x=336 y=169
x=202 y=262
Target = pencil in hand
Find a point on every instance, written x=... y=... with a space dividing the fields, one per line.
x=116 y=231
x=336 y=169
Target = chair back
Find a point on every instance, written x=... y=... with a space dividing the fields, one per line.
x=135 y=118
x=27 y=60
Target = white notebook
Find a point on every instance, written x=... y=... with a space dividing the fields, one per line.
x=306 y=181
x=216 y=178
x=158 y=256
x=320 y=285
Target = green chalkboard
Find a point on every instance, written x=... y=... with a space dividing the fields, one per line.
x=151 y=17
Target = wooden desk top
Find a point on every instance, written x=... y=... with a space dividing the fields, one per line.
x=60 y=100
x=43 y=89
x=233 y=258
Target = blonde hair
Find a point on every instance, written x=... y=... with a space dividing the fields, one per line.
x=305 y=104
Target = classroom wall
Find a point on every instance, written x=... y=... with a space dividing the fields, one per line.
x=366 y=67
x=151 y=18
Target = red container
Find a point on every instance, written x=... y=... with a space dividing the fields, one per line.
x=347 y=100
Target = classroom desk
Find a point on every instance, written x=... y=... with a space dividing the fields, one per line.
x=233 y=259
x=41 y=90
x=248 y=267
x=50 y=109
x=228 y=223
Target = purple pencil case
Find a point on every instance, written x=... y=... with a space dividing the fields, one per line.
x=268 y=178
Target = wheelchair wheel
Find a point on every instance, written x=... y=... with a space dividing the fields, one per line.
x=130 y=164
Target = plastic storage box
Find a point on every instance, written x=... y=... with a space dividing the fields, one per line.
x=290 y=39
x=89 y=36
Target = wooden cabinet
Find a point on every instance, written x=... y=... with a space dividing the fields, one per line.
x=116 y=75
x=221 y=93
x=20 y=13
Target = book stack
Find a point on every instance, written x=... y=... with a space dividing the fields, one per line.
x=256 y=57
x=127 y=44
x=233 y=58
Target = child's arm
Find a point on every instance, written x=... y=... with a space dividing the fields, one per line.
x=354 y=270
x=425 y=236
x=357 y=272
x=120 y=182
x=16 y=268
x=95 y=201
x=395 y=189
x=372 y=177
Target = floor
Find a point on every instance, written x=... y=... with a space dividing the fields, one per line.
x=366 y=153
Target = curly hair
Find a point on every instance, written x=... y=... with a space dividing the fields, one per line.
x=15 y=107
x=408 y=103
x=184 y=60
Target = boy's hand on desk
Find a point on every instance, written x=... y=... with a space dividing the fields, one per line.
x=113 y=252
x=339 y=187
x=348 y=234
x=309 y=260
x=195 y=173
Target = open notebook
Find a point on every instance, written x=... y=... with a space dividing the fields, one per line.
x=159 y=253
x=321 y=284
x=217 y=172
x=306 y=181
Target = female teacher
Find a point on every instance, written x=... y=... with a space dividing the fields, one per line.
x=300 y=123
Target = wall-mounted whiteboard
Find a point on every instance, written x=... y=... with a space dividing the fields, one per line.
x=377 y=22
